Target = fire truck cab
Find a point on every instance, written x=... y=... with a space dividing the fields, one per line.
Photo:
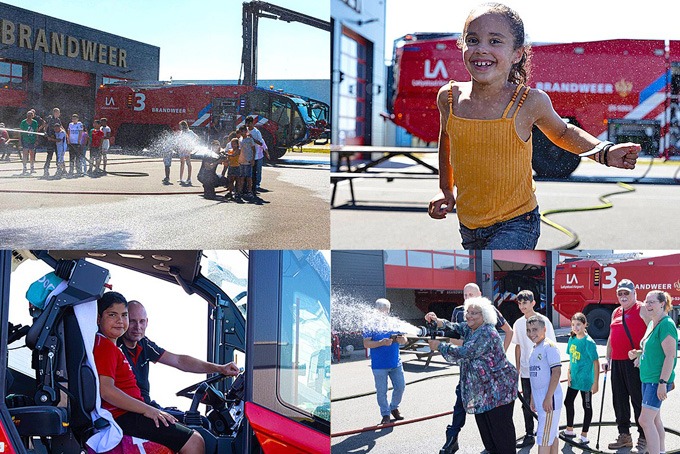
x=589 y=286
x=279 y=403
x=618 y=90
x=138 y=112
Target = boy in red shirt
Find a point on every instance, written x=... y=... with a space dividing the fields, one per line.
x=96 y=148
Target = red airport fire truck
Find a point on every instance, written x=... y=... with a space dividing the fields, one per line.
x=618 y=90
x=589 y=286
x=138 y=112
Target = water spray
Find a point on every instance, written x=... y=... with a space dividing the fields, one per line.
x=22 y=131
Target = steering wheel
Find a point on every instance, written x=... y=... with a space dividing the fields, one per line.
x=189 y=390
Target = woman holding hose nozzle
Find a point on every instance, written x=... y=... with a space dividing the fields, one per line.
x=488 y=380
x=656 y=361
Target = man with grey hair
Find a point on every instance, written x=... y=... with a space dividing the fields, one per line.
x=625 y=333
x=385 y=361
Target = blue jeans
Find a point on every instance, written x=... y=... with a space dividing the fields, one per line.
x=398 y=385
x=458 y=416
x=257 y=173
x=520 y=232
x=649 y=398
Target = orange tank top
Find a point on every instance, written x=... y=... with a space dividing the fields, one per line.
x=491 y=166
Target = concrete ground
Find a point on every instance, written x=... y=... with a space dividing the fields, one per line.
x=430 y=391
x=130 y=208
x=393 y=215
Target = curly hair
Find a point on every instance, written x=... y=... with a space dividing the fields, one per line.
x=486 y=308
x=520 y=71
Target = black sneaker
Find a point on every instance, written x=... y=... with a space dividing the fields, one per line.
x=528 y=440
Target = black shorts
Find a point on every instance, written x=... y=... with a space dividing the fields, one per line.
x=174 y=436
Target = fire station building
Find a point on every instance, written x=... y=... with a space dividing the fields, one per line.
x=47 y=62
x=420 y=281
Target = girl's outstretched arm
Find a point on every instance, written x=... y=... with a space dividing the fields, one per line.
x=444 y=201
x=574 y=139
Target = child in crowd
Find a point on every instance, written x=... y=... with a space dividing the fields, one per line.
x=233 y=172
x=246 y=160
x=4 y=143
x=84 y=142
x=207 y=174
x=62 y=146
x=106 y=142
x=485 y=147
x=523 y=349
x=546 y=394
x=584 y=374
x=97 y=136
x=27 y=140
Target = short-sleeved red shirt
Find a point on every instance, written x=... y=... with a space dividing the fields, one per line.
x=618 y=339
x=111 y=362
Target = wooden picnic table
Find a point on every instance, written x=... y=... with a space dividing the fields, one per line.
x=345 y=153
x=344 y=156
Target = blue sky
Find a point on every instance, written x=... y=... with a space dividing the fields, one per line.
x=202 y=39
x=565 y=21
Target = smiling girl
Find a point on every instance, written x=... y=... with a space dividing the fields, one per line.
x=485 y=136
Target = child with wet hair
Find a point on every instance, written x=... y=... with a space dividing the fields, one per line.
x=485 y=136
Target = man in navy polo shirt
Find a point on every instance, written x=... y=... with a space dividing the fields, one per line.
x=385 y=361
x=139 y=351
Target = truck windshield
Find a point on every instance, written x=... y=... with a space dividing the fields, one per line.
x=309 y=114
x=304 y=335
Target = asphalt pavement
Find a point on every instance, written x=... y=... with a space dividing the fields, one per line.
x=393 y=215
x=130 y=208
x=430 y=391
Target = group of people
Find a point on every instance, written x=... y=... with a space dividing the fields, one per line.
x=640 y=355
x=122 y=355
x=241 y=153
x=59 y=137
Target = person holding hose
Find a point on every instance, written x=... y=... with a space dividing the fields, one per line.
x=482 y=355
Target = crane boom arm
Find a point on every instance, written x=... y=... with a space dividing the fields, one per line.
x=252 y=12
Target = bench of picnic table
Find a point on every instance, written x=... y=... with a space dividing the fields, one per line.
x=337 y=177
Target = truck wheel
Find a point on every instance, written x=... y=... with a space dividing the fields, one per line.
x=549 y=160
x=599 y=320
x=275 y=152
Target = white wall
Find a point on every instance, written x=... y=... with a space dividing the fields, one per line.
x=344 y=15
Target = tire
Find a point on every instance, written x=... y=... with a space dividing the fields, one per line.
x=599 y=319
x=549 y=160
x=275 y=152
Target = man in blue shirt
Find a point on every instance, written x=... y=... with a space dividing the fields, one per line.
x=385 y=361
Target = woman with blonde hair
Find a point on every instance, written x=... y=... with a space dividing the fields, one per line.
x=656 y=360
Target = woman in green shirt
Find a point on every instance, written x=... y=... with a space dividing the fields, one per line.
x=656 y=360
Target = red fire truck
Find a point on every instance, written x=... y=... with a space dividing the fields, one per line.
x=618 y=90
x=589 y=286
x=139 y=112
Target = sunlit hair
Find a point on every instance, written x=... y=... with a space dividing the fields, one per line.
x=485 y=307
x=579 y=317
x=662 y=297
x=519 y=73
x=383 y=303
x=183 y=125
x=536 y=319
